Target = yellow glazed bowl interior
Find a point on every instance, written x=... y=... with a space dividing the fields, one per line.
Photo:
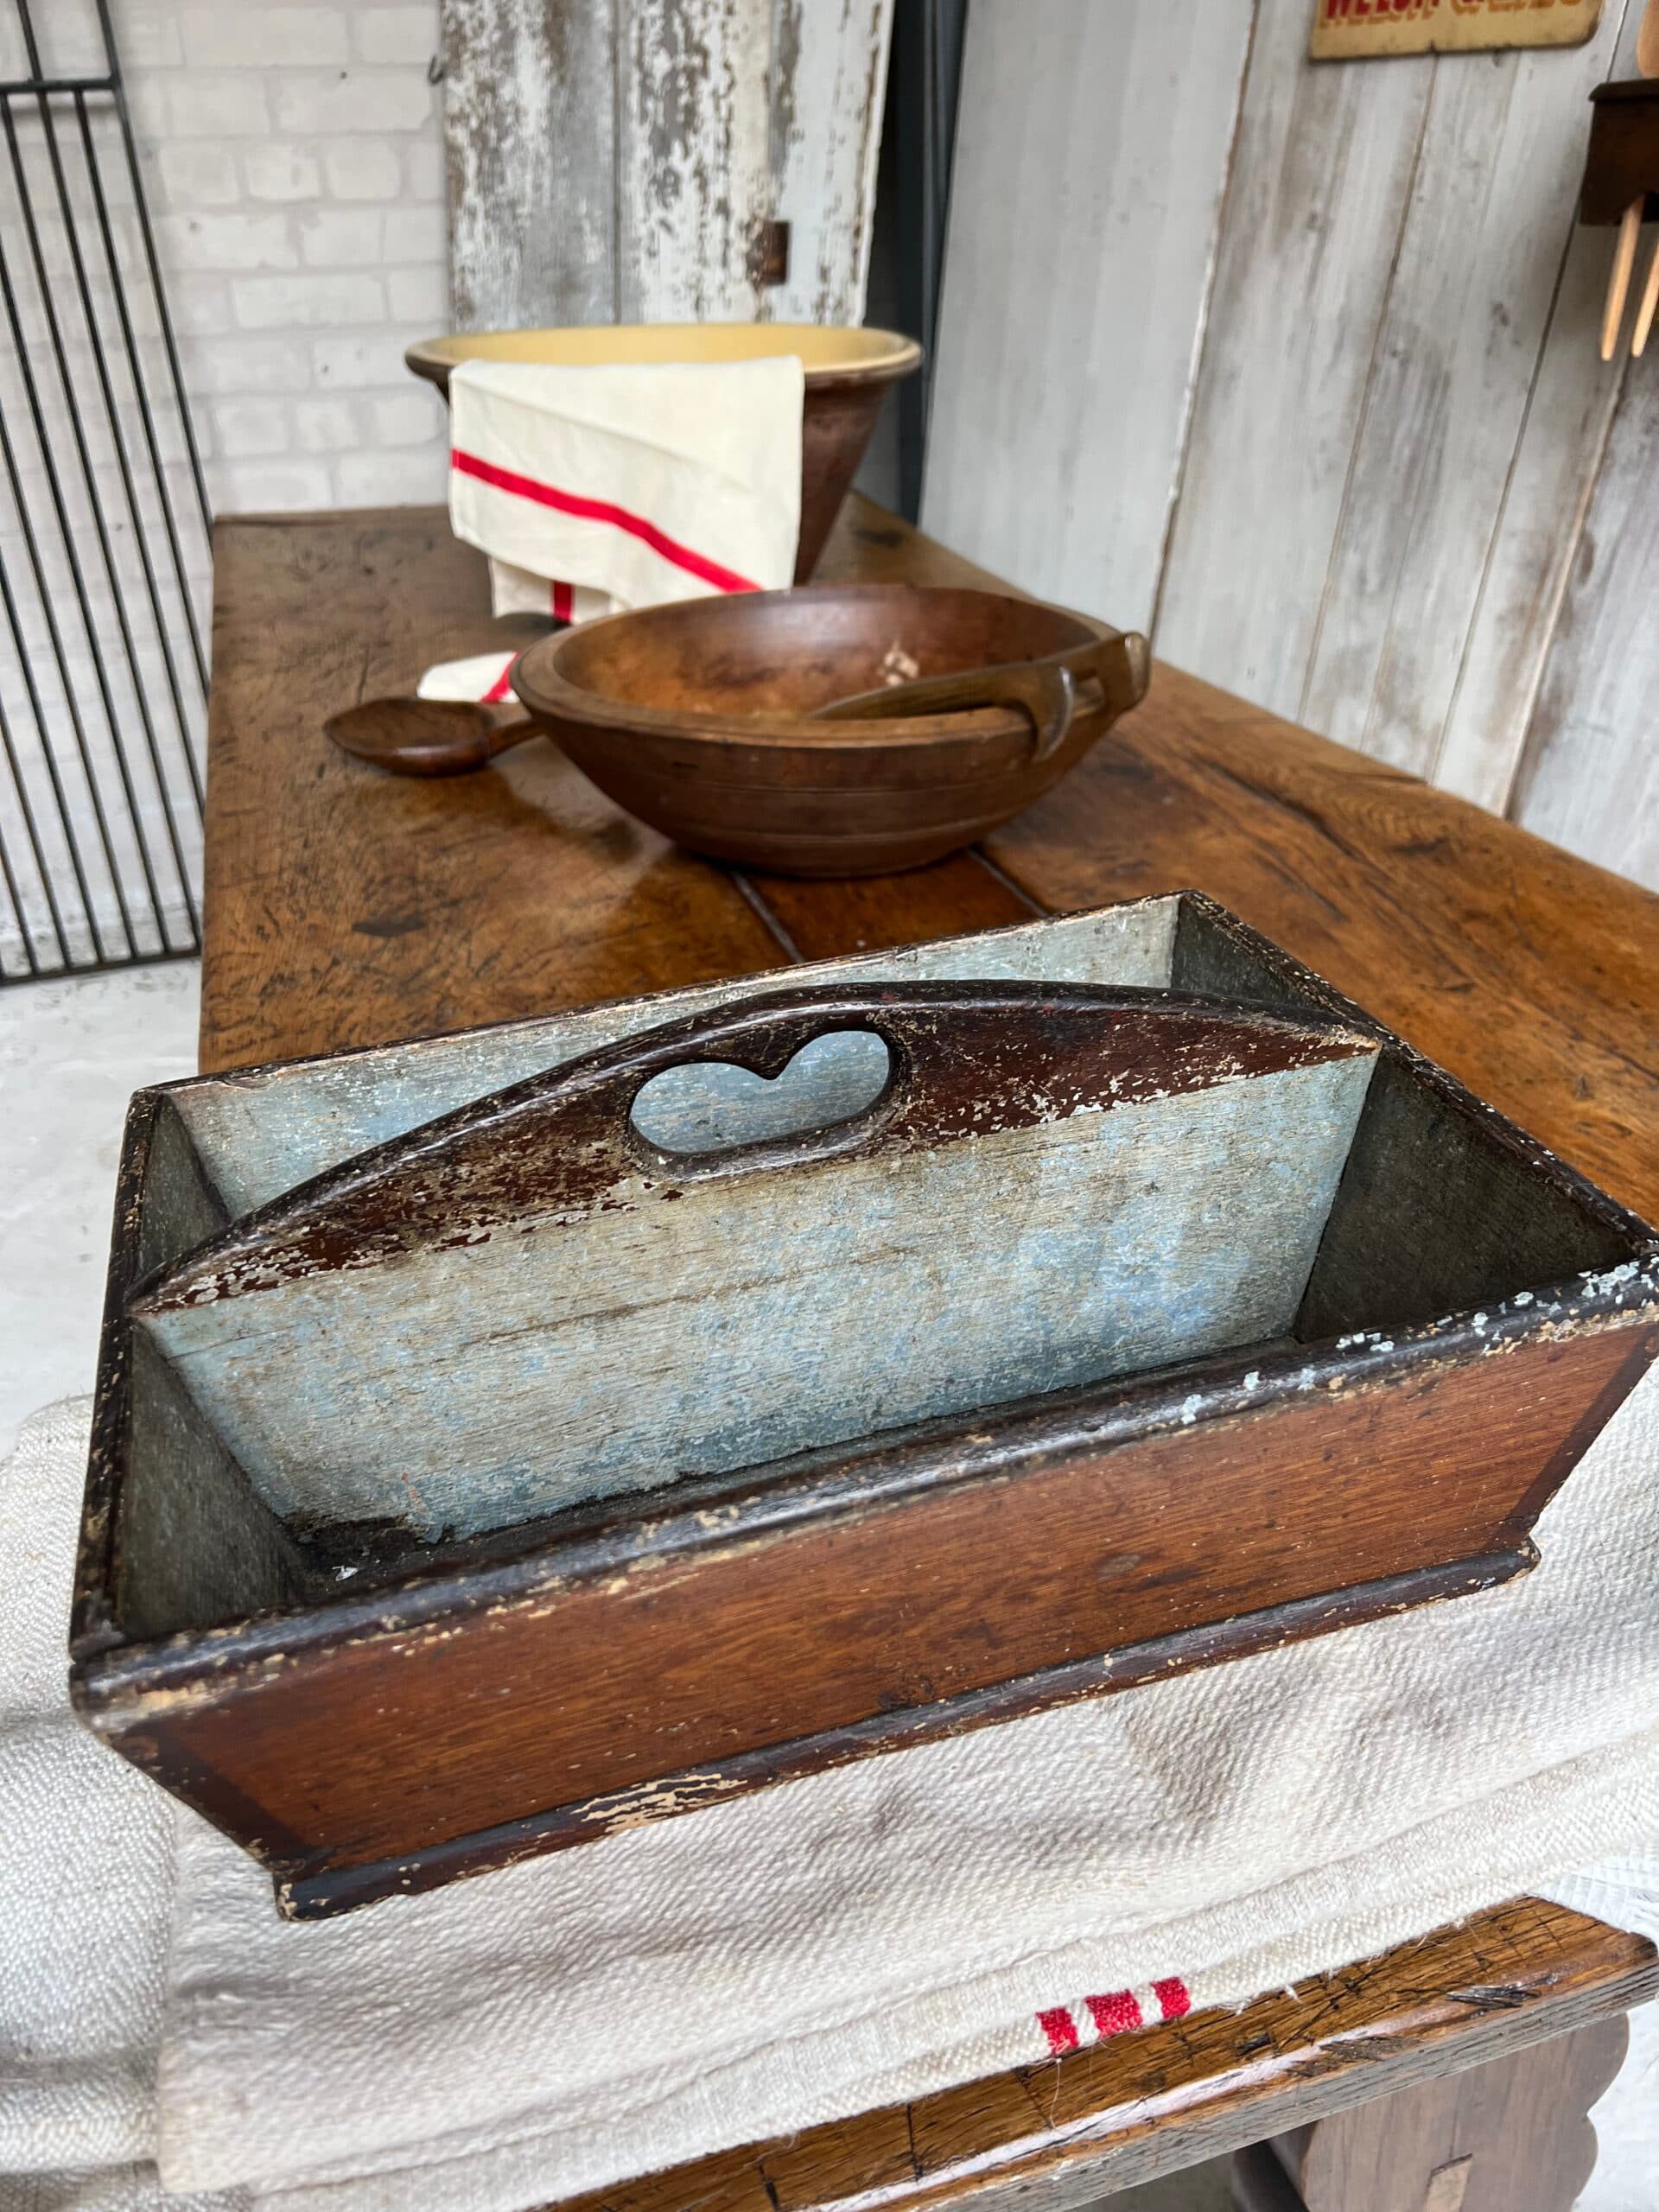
x=837 y=351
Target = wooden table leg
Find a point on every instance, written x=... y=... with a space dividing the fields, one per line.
x=1507 y=2137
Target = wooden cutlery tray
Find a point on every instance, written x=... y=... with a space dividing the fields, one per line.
x=505 y=1439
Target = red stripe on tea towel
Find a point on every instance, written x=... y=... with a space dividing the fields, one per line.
x=572 y=503
x=502 y=687
x=562 y=600
x=1091 y=2019
x=1114 y=2013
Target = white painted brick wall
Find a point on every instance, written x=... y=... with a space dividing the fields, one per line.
x=293 y=158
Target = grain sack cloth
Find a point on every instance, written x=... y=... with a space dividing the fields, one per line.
x=829 y=1945
x=596 y=489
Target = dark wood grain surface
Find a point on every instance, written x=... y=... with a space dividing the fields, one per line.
x=1510 y=2136
x=1054 y=2136
x=346 y=907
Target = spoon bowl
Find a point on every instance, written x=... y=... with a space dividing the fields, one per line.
x=428 y=737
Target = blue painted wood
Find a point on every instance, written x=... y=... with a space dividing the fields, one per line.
x=700 y=1329
x=260 y=1132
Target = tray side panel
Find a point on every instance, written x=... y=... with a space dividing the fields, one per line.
x=264 y=1132
x=1434 y=1215
x=173 y=1535
x=196 y=1545
x=472 y=1385
x=1444 y=1205
x=404 y=1739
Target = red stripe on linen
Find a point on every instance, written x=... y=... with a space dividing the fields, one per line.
x=1112 y=2014
x=571 y=503
x=1060 y=2028
x=1173 y=1996
x=563 y=602
x=502 y=687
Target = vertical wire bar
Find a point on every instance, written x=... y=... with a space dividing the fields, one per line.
x=30 y=44
x=141 y=393
x=31 y=230
x=19 y=645
x=112 y=63
x=89 y=315
x=42 y=587
x=23 y=936
x=34 y=837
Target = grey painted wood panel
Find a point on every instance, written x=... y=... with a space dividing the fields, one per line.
x=1590 y=776
x=1092 y=145
x=693 y=158
x=529 y=140
x=828 y=79
x=1398 y=423
x=1490 y=216
x=470 y=1386
x=1320 y=188
x=1557 y=460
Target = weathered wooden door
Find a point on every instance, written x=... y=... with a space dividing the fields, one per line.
x=623 y=160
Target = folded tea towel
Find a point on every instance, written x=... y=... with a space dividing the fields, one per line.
x=481 y=676
x=86 y=1857
x=593 y=489
x=838 y=1943
x=521 y=591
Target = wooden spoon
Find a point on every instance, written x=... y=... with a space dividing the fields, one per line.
x=429 y=737
x=1045 y=689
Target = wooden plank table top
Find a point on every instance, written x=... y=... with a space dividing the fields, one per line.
x=344 y=907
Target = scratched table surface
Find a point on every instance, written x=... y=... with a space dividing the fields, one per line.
x=345 y=907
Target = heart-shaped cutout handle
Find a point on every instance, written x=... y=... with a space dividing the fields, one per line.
x=704 y=1107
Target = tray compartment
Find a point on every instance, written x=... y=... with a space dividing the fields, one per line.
x=524 y=1305
x=369 y=1712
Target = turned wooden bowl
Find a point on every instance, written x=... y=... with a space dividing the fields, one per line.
x=847 y=372
x=696 y=717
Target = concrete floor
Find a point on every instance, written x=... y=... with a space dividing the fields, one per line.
x=71 y=1054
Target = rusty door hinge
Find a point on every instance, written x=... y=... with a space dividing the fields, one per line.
x=769 y=253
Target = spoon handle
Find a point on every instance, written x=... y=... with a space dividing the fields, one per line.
x=1045 y=689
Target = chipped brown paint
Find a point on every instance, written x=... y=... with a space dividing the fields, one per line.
x=559 y=1146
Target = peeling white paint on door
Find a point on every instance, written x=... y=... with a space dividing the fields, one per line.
x=619 y=163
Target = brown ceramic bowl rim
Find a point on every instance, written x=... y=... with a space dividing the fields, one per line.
x=878 y=356
x=546 y=691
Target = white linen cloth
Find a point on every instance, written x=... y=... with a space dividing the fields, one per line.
x=595 y=489
x=835 y=1943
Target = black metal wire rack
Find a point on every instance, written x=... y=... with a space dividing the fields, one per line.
x=104 y=529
